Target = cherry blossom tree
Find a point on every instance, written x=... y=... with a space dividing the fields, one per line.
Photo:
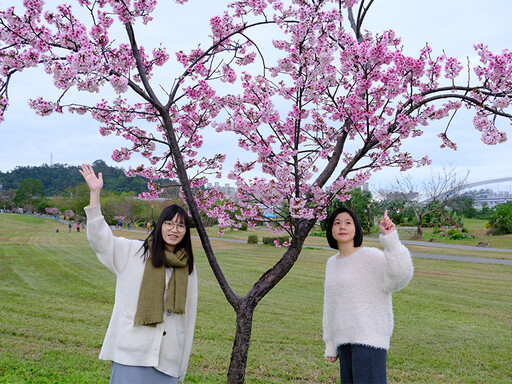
x=51 y=211
x=317 y=111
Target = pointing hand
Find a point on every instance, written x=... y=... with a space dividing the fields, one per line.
x=386 y=225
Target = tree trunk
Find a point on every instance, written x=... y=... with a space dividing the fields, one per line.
x=419 y=230
x=240 y=351
x=245 y=307
x=419 y=217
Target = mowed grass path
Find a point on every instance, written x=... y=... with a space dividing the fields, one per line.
x=453 y=323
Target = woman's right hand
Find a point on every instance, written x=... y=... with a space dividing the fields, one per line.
x=95 y=183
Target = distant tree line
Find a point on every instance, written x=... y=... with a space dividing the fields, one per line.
x=59 y=177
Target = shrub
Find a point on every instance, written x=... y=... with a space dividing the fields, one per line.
x=252 y=239
x=271 y=240
x=454 y=234
x=501 y=219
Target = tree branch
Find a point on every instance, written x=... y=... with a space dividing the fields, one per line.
x=150 y=96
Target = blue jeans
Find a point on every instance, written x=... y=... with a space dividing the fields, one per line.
x=360 y=364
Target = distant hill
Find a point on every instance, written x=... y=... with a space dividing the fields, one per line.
x=59 y=177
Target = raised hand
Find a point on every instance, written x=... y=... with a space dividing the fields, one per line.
x=386 y=225
x=95 y=183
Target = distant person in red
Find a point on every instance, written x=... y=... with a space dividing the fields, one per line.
x=78 y=226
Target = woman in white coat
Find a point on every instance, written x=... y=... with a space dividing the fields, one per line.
x=359 y=282
x=149 y=338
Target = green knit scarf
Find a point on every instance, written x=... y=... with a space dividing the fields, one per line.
x=150 y=307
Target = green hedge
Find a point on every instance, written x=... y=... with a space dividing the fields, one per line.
x=253 y=239
x=280 y=239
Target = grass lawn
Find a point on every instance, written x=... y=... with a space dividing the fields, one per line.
x=452 y=323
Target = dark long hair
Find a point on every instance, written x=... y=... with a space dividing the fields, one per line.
x=158 y=244
x=358 y=238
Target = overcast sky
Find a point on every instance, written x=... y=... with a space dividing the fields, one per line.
x=450 y=25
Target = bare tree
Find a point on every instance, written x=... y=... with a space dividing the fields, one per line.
x=431 y=196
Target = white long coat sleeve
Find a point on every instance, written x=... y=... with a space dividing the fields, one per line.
x=357 y=298
x=168 y=345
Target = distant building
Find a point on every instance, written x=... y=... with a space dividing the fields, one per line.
x=489 y=198
x=227 y=190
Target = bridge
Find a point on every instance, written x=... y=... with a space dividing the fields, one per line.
x=486 y=182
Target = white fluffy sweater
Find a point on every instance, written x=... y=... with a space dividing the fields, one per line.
x=358 y=288
x=166 y=346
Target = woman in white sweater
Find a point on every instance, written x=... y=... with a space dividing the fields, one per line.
x=359 y=281
x=149 y=338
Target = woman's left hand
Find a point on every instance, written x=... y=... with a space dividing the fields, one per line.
x=386 y=225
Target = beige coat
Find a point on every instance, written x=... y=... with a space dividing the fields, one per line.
x=167 y=346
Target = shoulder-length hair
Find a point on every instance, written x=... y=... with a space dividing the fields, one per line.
x=158 y=244
x=358 y=238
